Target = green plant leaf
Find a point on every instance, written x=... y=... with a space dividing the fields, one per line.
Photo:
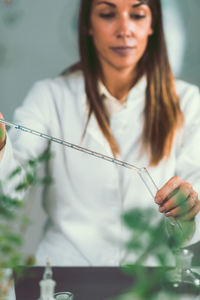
x=18 y=170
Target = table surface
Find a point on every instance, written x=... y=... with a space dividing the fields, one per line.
x=86 y=283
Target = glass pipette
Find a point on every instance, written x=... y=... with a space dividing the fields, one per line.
x=70 y=145
x=142 y=172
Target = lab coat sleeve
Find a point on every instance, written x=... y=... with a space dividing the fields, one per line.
x=21 y=146
x=188 y=151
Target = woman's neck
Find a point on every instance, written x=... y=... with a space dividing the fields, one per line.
x=119 y=82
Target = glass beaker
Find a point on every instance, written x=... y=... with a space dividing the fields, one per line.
x=64 y=296
x=182 y=278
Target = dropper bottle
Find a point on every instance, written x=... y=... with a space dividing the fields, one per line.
x=47 y=284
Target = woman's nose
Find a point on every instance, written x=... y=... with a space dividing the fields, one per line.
x=124 y=28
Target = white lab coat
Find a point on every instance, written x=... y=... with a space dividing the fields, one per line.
x=88 y=195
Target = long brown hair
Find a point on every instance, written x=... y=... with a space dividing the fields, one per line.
x=162 y=113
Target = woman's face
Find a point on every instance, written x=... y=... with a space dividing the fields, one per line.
x=120 y=31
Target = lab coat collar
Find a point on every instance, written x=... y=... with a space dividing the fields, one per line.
x=93 y=128
x=133 y=94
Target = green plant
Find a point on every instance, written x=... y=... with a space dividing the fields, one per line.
x=151 y=239
x=14 y=220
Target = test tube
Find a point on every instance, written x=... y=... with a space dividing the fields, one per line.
x=152 y=188
x=148 y=181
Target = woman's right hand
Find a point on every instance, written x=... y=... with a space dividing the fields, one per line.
x=2 y=133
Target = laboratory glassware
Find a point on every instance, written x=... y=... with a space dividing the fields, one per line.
x=142 y=172
x=64 y=296
x=182 y=277
x=47 y=284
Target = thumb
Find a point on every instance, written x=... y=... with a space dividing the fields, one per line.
x=2 y=129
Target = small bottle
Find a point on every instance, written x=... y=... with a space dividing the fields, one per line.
x=47 y=284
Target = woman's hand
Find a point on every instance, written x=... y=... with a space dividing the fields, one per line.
x=178 y=199
x=2 y=133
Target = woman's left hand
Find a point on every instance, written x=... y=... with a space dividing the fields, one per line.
x=178 y=199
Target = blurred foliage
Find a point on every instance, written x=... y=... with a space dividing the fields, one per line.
x=158 y=240
x=14 y=220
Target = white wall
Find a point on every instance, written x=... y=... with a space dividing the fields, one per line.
x=39 y=43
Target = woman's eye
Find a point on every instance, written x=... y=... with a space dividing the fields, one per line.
x=107 y=15
x=112 y=15
x=137 y=16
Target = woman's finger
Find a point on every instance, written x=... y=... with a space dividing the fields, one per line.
x=176 y=200
x=178 y=197
x=168 y=189
x=183 y=209
x=192 y=213
x=2 y=126
x=2 y=133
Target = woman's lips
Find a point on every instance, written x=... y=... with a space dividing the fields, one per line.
x=125 y=50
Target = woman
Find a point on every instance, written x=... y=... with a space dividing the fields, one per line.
x=120 y=100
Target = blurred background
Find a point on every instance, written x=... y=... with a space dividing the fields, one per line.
x=38 y=39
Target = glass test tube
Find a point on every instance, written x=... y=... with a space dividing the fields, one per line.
x=148 y=181
x=152 y=188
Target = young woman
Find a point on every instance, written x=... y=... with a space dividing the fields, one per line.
x=121 y=100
